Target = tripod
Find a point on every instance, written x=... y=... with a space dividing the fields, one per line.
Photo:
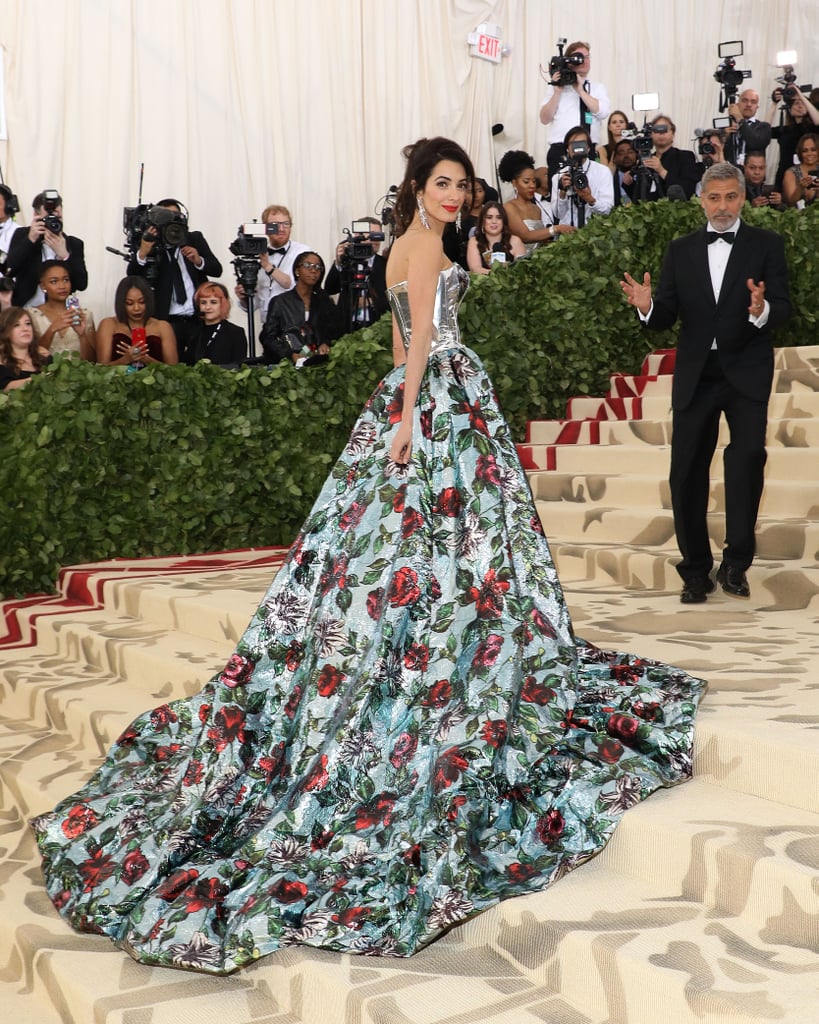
x=357 y=295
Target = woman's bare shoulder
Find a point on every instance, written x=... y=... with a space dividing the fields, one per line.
x=412 y=247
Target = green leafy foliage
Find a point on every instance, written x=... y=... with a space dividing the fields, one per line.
x=98 y=462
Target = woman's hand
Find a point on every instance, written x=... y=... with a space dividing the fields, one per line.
x=401 y=447
x=135 y=353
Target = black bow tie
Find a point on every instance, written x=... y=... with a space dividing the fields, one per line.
x=726 y=236
x=281 y=252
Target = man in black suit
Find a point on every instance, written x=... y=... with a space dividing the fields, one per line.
x=175 y=271
x=746 y=134
x=625 y=184
x=361 y=285
x=672 y=166
x=31 y=246
x=729 y=296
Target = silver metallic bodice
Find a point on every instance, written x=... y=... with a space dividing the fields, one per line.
x=452 y=284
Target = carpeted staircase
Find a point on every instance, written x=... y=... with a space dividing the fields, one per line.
x=703 y=909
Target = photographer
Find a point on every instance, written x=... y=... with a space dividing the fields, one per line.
x=745 y=133
x=358 y=276
x=42 y=240
x=757 y=192
x=800 y=183
x=301 y=323
x=276 y=265
x=574 y=101
x=798 y=116
x=8 y=208
x=584 y=187
x=175 y=271
x=672 y=166
x=625 y=180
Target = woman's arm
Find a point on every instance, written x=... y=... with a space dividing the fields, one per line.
x=517 y=227
x=473 y=257
x=105 y=345
x=170 y=350
x=425 y=259
x=791 y=187
x=87 y=335
x=516 y=247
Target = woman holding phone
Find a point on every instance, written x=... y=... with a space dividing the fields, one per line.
x=61 y=323
x=133 y=336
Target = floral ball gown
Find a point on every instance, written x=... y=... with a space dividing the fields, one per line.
x=408 y=731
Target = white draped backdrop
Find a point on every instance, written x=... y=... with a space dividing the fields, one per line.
x=234 y=104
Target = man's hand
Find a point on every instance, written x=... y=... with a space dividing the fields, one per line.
x=191 y=255
x=638 y=295
x=147 y=242
x=57 y=243
x=36 y=229
x=757 y=296
x=655 y=164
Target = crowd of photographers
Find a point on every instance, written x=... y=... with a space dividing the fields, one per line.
x=168 y=309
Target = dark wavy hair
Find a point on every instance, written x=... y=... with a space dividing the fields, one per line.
x=422 y=157
x=484 y=244
x=9 y=319
x=125 y=285
x=514 y=162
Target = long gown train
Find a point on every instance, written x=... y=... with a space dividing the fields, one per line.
x=408 y=731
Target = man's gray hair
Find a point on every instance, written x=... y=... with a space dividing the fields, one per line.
x=723 y=172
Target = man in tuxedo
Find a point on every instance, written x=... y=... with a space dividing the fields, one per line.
x=728 y=296
x=175 y=272
x=31 y=246
x=625 y=185
x=757 y=192
x=361 y=285
x=672 y=166
x=746 y=132
x=276 y=265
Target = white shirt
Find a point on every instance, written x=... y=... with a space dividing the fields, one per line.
x=266 y=288
x=7 y=229
x=567 y=114
x=601 y=184
x=719 y=253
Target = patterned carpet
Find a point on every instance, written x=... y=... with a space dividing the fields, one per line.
x=703 y=909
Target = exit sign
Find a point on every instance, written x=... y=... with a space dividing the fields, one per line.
x=485 y=42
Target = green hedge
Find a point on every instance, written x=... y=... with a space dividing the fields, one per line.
x=99 y=463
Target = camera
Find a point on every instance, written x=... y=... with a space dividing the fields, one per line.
x=251 y=240
x=172 y=226
x=577 y=153
x=787 y=80
x=248 y=246
x=358 y=248
x=727 y=74
x=51 y=200
x=565 y=66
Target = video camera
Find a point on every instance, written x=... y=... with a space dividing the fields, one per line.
x=358 y=249
x=786 y=59
x=248 y=246
x=565 y=66
x=171 y=225
x=642 y=141
x=577 y=153
x=51 y=200
x=727 y=73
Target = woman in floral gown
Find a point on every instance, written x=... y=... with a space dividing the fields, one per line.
x=408 y=731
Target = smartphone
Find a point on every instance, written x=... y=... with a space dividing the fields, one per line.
x=138 y=336
x=73 y=303
x=766 y=190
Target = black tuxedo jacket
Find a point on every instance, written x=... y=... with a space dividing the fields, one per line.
x=685 y=291
x=337 y=283
x=682 y=169
x=163 y=282
x=620 y=190
x=228 y=346
x=25 y=258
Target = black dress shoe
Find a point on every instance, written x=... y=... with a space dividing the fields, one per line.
x=733 y=581
x=696 y=589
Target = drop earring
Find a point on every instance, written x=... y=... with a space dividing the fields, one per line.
x=458 y=221
x=422 y=213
